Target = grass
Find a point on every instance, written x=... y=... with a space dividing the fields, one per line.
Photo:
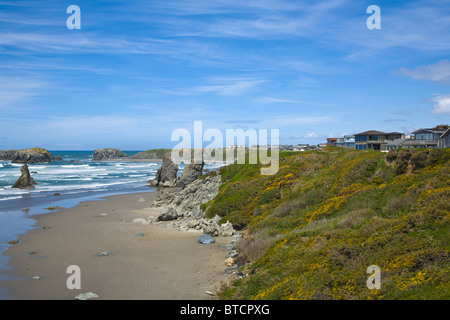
x=312 y=229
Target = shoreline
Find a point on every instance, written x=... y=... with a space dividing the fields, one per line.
x=147 y=261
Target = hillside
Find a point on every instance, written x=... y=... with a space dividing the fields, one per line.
x=152 y=154
x=312 y=229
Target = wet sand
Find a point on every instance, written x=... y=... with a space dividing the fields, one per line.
x=162 y=264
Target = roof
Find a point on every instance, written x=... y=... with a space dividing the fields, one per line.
x=434 y=130
x=446 y=133
x=370 y=132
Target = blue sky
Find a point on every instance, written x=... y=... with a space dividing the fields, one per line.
x=138 y=70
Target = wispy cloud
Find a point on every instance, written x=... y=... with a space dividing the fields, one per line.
x=438 y=72
x=223 y=86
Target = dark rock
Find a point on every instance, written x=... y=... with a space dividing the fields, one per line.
x=108 y=154
x=206 y=239
x=166 y=174
x=25 y=181
x=168 y=214
x=191 y=172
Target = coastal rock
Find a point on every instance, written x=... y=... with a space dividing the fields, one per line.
x=168 y=214
x=104 y=253
x=166 y=174
x=206 y=239
x=210 y=227
x=25 y=180
x=229 y=262
x=108 y=154
x=141 y=221
x=87 y=296
x=226 y=229
x=187 y=203
x=189 y=199
x=32 y=155
x=190 y=173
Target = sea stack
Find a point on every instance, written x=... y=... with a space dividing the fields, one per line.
x=166 y=175
x=25 y=181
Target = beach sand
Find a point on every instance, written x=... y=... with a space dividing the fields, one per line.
x=163 y=264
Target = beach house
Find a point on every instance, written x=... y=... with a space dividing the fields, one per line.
x=375 y=140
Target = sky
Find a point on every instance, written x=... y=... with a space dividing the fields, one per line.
x=136 y=71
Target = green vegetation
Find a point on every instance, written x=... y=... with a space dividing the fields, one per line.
x=312 y=229
x=39 y=150
x=158 y=153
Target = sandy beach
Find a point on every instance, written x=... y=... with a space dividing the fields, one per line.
x=146 y=261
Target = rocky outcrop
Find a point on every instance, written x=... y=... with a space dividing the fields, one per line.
x=188 y=201
x=32 y=155
x=166 y=175
x=191 y=172
x=25 y=180
x=108 y=154
x=185 y=207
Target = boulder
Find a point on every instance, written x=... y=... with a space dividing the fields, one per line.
x=210 y=227
x=206 y=239
x=25 y=180
x=226 y=229
x=108 y=154
x=168 y=214
x=87 y=296
x=229 y=262
x=191 y=172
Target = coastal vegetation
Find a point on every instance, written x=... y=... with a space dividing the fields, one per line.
x=311 y=230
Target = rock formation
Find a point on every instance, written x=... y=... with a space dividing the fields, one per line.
x=32 y=155
x=185 y=207
x=25 y=180
x=108 y=154
x=191 y=172
x=166 y=175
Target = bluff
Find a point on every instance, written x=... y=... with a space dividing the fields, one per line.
x=108 y=154
x=32 y=155
x=311 y=230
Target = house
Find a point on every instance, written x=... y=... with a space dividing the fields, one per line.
x=331 y=142
x=348 y=141
x=375 y=140
x=428 y=138
x=444 y=139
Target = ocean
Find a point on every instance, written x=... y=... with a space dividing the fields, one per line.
x=66 y=183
